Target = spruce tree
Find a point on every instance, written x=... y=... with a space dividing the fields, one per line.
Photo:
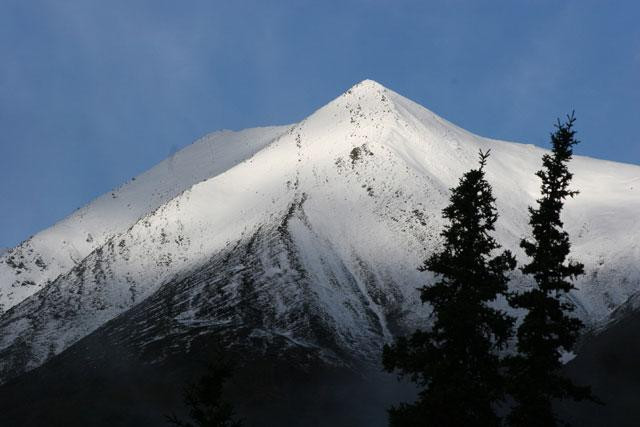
x=205 y=401
x=456 y=362
x=548 y=329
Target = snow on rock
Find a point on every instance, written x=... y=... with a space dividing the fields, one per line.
x=311 y=232
x=40 y=259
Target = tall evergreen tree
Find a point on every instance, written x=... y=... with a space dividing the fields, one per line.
x=548 y=329
x=456 y=362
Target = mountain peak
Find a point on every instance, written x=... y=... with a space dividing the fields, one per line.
x=368 y=84
x=366 y=87
x=367 y=95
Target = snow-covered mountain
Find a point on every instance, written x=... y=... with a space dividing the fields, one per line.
x=56 y=250
x=307 y=236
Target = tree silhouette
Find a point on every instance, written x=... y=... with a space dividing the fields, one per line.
x=547 y=329
x=204 y=399
x=456 y=362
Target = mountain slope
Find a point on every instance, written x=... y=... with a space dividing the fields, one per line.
x=40 y=259
x=312 y=239
x=608 y=361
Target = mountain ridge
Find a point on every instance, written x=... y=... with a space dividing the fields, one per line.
x=56 y=249
x=334 y=213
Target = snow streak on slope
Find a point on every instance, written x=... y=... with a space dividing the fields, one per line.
x=322 y=230
x=42 y=258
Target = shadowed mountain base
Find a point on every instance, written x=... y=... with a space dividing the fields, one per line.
x=609 y=363
x=99 y=384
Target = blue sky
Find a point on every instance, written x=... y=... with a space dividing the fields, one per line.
x=95 y=92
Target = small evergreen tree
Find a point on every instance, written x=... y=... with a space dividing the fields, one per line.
x=547 y=328
x=456 y=363
x=207 y=407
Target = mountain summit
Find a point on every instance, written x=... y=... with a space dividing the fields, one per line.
x=295 y=239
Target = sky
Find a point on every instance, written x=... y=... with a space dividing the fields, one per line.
x=93 y=93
